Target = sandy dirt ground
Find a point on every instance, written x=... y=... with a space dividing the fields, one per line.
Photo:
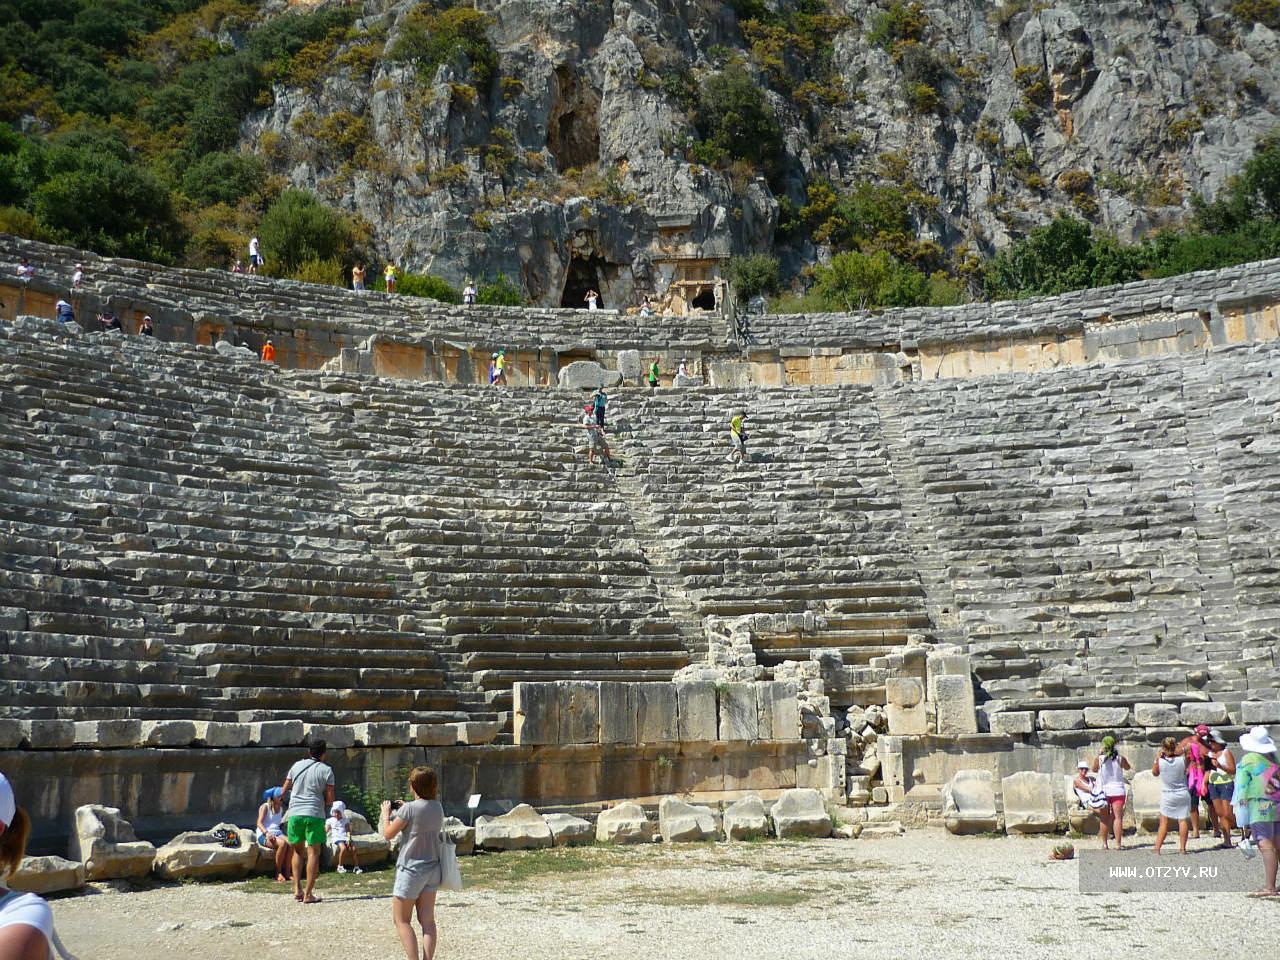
x=924 y=895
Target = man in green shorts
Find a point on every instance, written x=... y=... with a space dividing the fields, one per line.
x=309 y=784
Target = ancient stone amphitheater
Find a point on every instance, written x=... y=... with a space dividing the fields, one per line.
x=969 y=538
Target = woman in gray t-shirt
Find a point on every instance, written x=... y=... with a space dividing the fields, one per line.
x=418 y=865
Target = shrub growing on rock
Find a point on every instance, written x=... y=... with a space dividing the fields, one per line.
x=298 y=228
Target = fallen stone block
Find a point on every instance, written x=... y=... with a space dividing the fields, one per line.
x=625 y=823
x=746 y=819
x=105 y=843
x=570 y=831
x=198 y=855
x=1028 y=802
x=800 y=813
x=521 y=829
x=681 y=822
x=463 y=836
x=969 y=802
x=586 y=375
x=46 y=875
x=1146 y=800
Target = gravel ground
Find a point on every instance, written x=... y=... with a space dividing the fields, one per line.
x=926 y=895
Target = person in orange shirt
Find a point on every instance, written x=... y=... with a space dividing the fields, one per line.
x=268 y=352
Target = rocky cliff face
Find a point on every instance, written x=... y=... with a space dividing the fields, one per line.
x=571 y=165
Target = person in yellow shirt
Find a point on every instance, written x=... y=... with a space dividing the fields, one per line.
x=389 y=275
x=738 y=436
x=500 y=366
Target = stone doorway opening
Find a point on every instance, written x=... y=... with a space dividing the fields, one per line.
x=705 y=300
x=584 y=274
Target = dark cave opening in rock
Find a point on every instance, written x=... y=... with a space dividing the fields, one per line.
x=582 y=275
x=573 y=131
x=705 y=300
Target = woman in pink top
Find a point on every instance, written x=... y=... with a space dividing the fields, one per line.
x=1110 y=768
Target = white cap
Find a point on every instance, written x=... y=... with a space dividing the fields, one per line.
x=338 y=807
x=8 y=805
x=1082 y=765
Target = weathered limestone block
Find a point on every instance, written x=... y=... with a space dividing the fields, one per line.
x=800 y=813
x=696 y=708
x=337 y=736
x=215 y=733
x=1061 y=719
x=625 y=823
x=1155 y=715
x=521 y=829
x=46 y=875
x=196 y=855
x=618 y=713
x=579 y=711
x=371 y=847
x=168 y=733
x=1259 y=711
x=1013 y=723
x=1028 y=802
x=12 y=733
x=570 y=831
x=681 y=822
x=52 y=734
x=586 y=375
x=657 y=714
x=954 y=702
x=969 y=802
x=536 y=709
x=434 y=734
x=1106 y=717
x=105 y=843
x=108 y=734
x=1193 y=713
x=746 y=819
x=739 y=712
x=1146 y=800
x=630 y=365
x=778 y=710
x=277 y=733
x=477 y=731
x=904 y=706
x=463 y=836
x=385 y=733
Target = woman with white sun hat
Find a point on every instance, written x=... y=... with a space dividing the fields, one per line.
x=1255 y=796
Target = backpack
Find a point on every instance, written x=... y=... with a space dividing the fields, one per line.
x=228 y=838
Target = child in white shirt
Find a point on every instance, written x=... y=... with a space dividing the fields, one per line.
x=338 y=830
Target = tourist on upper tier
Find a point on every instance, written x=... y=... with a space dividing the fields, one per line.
x=493 y=368
x=646 y=307
x=418 y=873
x=270 y=831
x=683 y=369
x=593 y=300
x=64 y=313
x=338 y=831
x=738 y=437
x=1110 y=768
x=1221 y=782
x=1175 y=800
x=357 y=277
x=1197 y=748
x=469 y=293
x=25 y=270
x=26 y=922
x=145 y=329
x=268 y=352
x=653 y=374
x=389 y=276
x=109 y=321
x=78 y=277
x=238 y=267
x=311 y=783
x=1255 y=795
x=255 y=255
x=501 y=366
x=1090 y=797
x=600 y=401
